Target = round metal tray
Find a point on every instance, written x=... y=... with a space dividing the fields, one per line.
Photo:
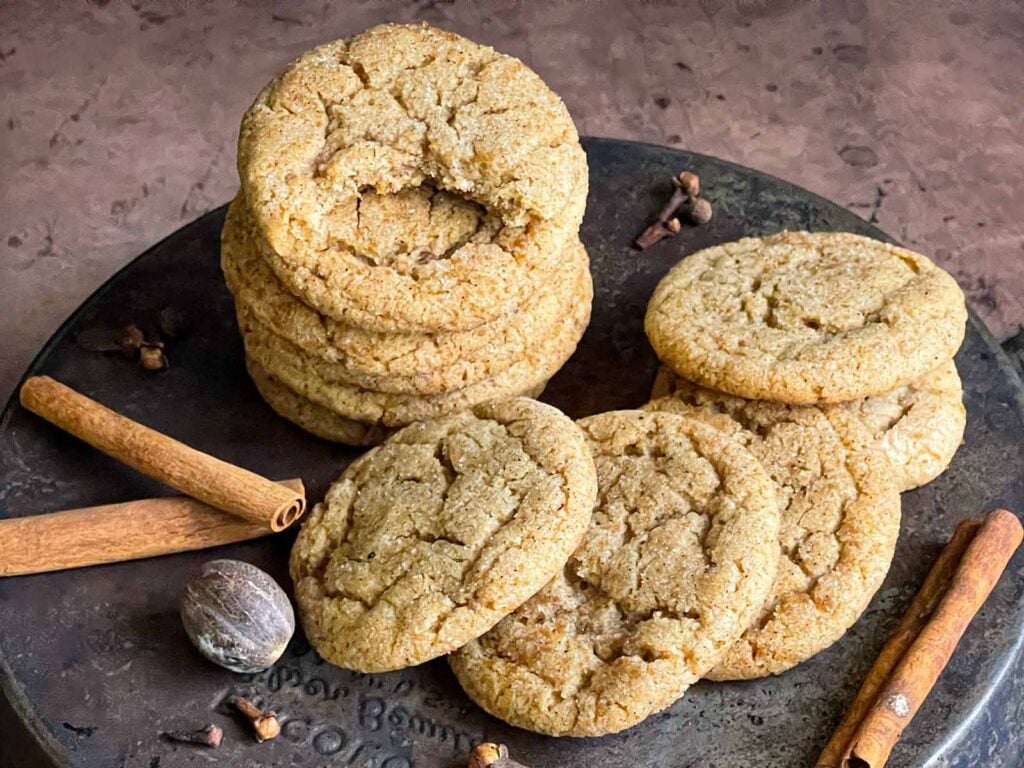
x=95 y=663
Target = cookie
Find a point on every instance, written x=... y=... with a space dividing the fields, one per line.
x=413 y=363
x=428 y=540
x=805 y=318
x=313 y=379
x=919 y=426
x=679 y=557
x=321 y=421
x=840 y=519
x=395 y=108
x=309 y=416
x=453 y=291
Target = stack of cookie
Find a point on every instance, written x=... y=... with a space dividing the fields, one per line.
x=405 y=243
x=829 y=356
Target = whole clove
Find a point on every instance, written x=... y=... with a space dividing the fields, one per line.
x=488 y=755
x=685 y=200
x=210 y=736
x=133 y=342
x=264 y=724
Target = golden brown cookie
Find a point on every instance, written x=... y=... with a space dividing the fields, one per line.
x=428 y=540
x=411 y=363
x=395 y=108
x=840 y=520
x=312 y=377
x=679 y=558
x=919 y=426
x=805 y=318
x=309 y=416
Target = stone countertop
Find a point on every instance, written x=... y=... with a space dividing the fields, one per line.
x=118 y=120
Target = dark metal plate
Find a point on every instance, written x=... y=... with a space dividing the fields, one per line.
x=95 y=661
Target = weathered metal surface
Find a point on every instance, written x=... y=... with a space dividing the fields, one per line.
x=96 y=663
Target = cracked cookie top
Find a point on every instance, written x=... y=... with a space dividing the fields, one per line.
x=805 y=318
x=428 y=540
x=418 y=363
x=920 y=426
x=679 y=557
x=390 y=111
x=840 y=520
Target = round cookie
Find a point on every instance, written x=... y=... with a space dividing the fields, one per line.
x=840 y=520
x=428 y=540
x=458 y=290
x=312 y=378
x=679 y=558
x=918 y=426
x=308 y=415
x=805 y=318
x=412 y=363
x=398 y=107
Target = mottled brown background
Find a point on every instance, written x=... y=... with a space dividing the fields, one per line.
x=118 y=119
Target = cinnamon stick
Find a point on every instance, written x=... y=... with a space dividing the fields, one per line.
x=222 y=485
x=917 y=614
x=958 y=584
x=114 y=533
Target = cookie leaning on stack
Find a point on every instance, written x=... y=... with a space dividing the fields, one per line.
x=406 y=240
x=428 y=540
x=918 y=426
x=840 y=519
x=836 y=354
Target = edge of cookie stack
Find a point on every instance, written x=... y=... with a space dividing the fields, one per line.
x=402 y=247
x=830 y=355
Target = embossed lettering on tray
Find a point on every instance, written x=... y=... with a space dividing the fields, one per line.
x=354 y=719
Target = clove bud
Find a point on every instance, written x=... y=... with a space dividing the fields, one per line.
x=152 y=358
x=264 y=724
x=488 y=755
x=688 y=182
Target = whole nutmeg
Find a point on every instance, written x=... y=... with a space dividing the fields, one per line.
x=237 y=616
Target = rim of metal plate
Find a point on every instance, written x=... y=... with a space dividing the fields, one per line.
x=18 y=698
